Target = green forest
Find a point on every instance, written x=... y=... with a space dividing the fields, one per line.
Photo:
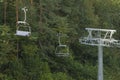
x=34 y=57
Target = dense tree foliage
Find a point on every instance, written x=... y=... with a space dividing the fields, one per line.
x=33 y=58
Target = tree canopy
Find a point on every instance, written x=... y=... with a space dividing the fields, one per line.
x=33 y=57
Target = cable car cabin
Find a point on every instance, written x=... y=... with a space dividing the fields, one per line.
x=23 y=30
x=62 y=50
x=23 y=27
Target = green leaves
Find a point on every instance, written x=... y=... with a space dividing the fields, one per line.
x=4 y=30
x=30 y=49
x=33 y=58
x=61 y=76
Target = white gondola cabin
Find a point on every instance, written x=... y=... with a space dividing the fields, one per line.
x=23 y=28
x=61 y=49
